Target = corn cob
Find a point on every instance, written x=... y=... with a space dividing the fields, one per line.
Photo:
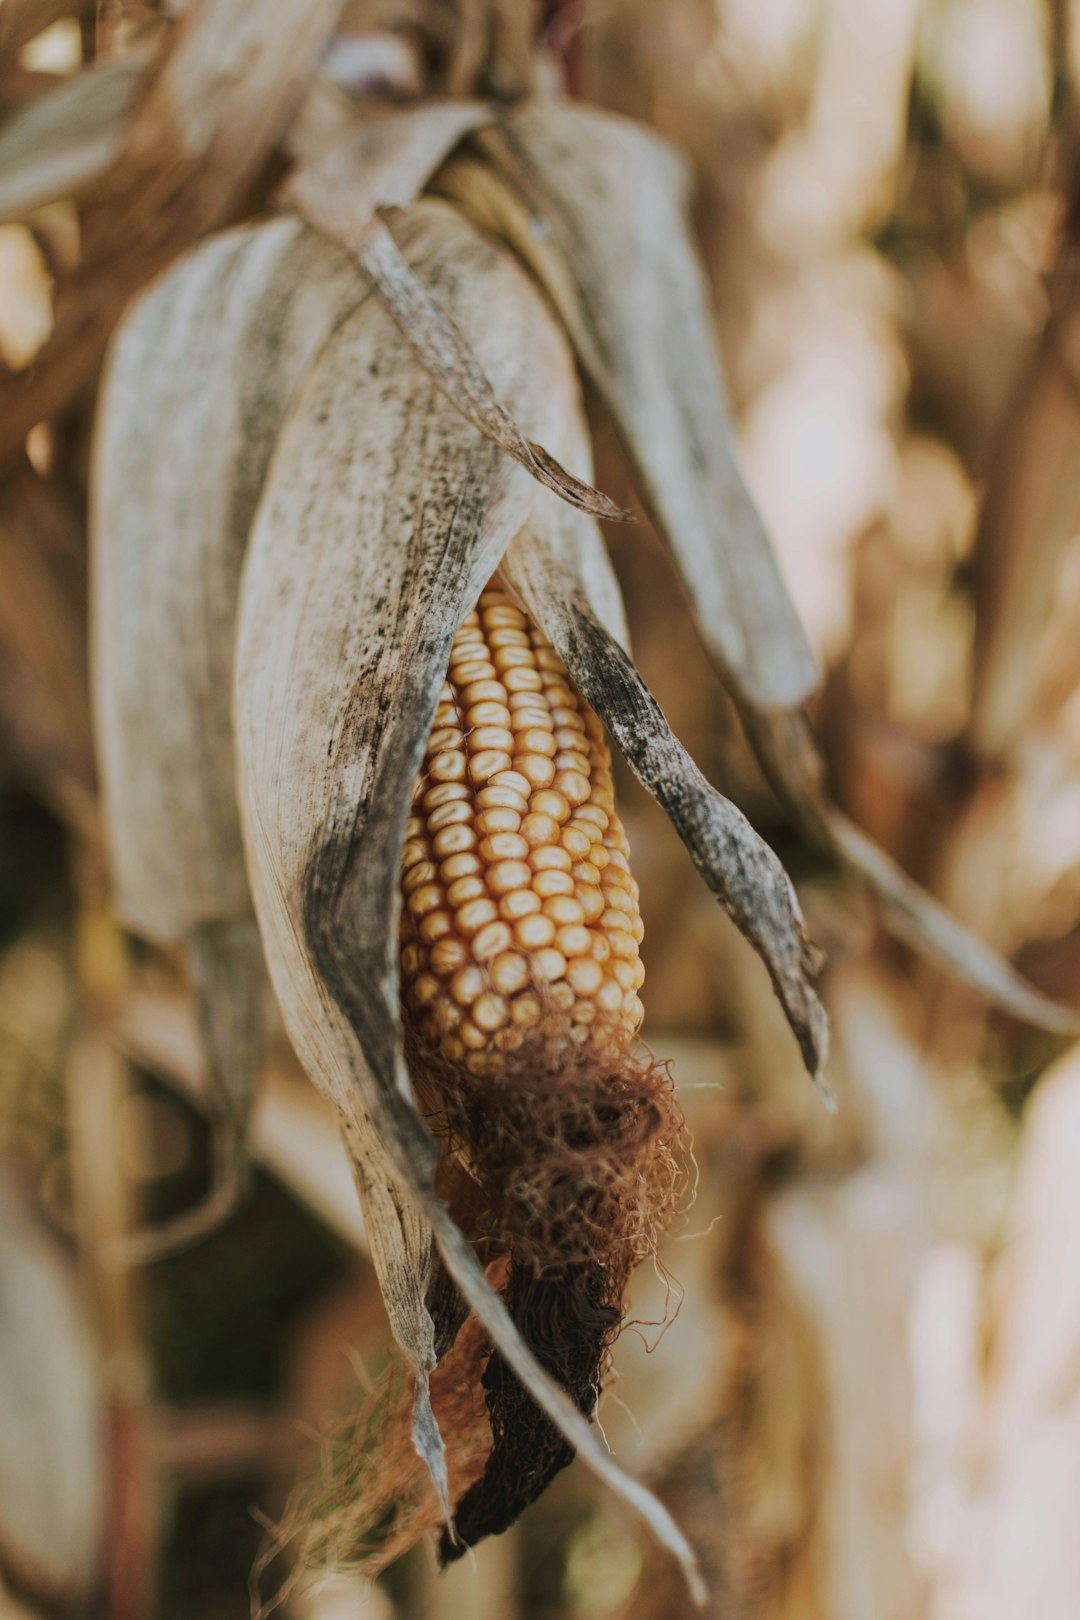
x=520 y=924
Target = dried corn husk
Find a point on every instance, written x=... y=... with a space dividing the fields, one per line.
x=596 y=206
x=220 y=346
x=386 y=165
x=384 y=515
x=216 y=350
x=380 y=163
x=562 y=571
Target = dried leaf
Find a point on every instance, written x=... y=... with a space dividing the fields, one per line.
x=438 y=343
x=595 y=205
x=1028 y=522
x=61 y=144
x=382 y=163
x=384 y=516
x=559 y=571
x=44 y=709
x=199 y=382
x=227 y=976
x=294 y=1134
x=924 y=924
x=387 y=165
x=788 y=753
x=215 y=104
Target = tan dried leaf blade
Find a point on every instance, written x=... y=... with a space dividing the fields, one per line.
x=596 y=206
x=63 y=142
x=210 y=110
x=199 y=382
x=387 y=165
x=384 y=516
x=789 y=756
x=929 y=928
x=383 y=163
x=438 y=342
x=560 y=570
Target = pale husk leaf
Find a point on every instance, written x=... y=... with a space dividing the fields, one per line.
x=381 y=163
x=199 y=382
x=384 y=516
x=197 y=387
x=438 y=342
x=386 y=165
x=596 y=205
x=561 y=571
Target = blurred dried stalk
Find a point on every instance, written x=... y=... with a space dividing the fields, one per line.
x=44 y=707
x=61 y=145
x=216 y=100
x=995 y=1356
x=98 y=1082
x=52 y=1439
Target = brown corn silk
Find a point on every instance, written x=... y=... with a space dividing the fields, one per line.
x=520 y=978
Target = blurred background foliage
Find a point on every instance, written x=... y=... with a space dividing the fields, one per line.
x=868 y=1405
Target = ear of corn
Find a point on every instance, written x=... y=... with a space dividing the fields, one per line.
x=519 y=952
x=520 y=925
x=383 y=515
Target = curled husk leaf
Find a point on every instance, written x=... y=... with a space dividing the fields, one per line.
x=198 y=384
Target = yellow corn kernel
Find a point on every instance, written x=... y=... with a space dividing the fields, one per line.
x=518 y=904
